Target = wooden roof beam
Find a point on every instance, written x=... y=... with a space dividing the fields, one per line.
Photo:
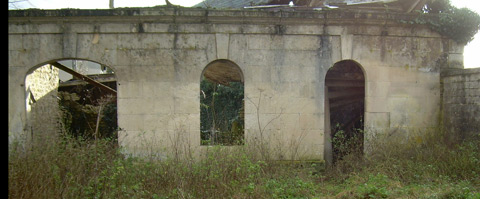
x=85 y=78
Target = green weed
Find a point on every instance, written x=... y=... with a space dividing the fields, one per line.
x=77 y=168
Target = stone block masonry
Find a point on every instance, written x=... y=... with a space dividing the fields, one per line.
x=461 y=103
x=158 y=55
x=41 y=101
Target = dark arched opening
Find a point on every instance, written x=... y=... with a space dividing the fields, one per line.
x=345 y=110
x=222 y=104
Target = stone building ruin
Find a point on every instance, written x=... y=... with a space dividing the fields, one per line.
x=302 y=68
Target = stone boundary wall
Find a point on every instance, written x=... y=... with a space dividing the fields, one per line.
x=461 y=103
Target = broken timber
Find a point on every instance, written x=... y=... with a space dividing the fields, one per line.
x=84 y=78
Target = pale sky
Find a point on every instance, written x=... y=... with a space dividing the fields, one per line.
x=471 y=51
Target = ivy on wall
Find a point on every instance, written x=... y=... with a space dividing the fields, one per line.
x=461 y=25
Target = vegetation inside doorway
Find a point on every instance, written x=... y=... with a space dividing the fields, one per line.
x=88 y=115
x=86 y=95
x=222 y=104
x=87 y=100
x=73 y=98
x=345 y=85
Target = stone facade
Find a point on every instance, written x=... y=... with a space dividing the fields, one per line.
x=158 y=55
x=461 y=103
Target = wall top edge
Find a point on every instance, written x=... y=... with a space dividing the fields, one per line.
x=459 y=72
x=209 y=15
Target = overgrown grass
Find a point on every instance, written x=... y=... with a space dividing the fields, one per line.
x=74 y=168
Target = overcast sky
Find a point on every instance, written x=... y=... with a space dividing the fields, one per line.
x=472 y=50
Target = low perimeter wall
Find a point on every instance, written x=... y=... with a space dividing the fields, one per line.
x=461 y=103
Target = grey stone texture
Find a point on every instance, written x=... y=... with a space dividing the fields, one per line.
x=461 y=103
x=158 y=55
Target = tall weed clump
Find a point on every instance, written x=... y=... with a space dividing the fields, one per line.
x=80 y=168
x=426 y=166
x=424 y=159
x=431 y=157
x=67 y=168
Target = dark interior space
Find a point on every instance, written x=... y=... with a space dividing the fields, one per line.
x=346 y=94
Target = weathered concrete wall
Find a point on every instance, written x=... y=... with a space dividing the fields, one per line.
x=402 y=89
x=158 y=55
x=461 y=103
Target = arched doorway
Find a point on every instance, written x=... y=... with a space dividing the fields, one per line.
x=76 y=97
x=344 y=110
x=222 y=104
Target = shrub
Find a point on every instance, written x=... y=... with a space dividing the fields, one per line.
x=458 y=24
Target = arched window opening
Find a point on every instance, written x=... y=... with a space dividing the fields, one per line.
x=222 y=104
x=344 y=110
x=75 y=97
